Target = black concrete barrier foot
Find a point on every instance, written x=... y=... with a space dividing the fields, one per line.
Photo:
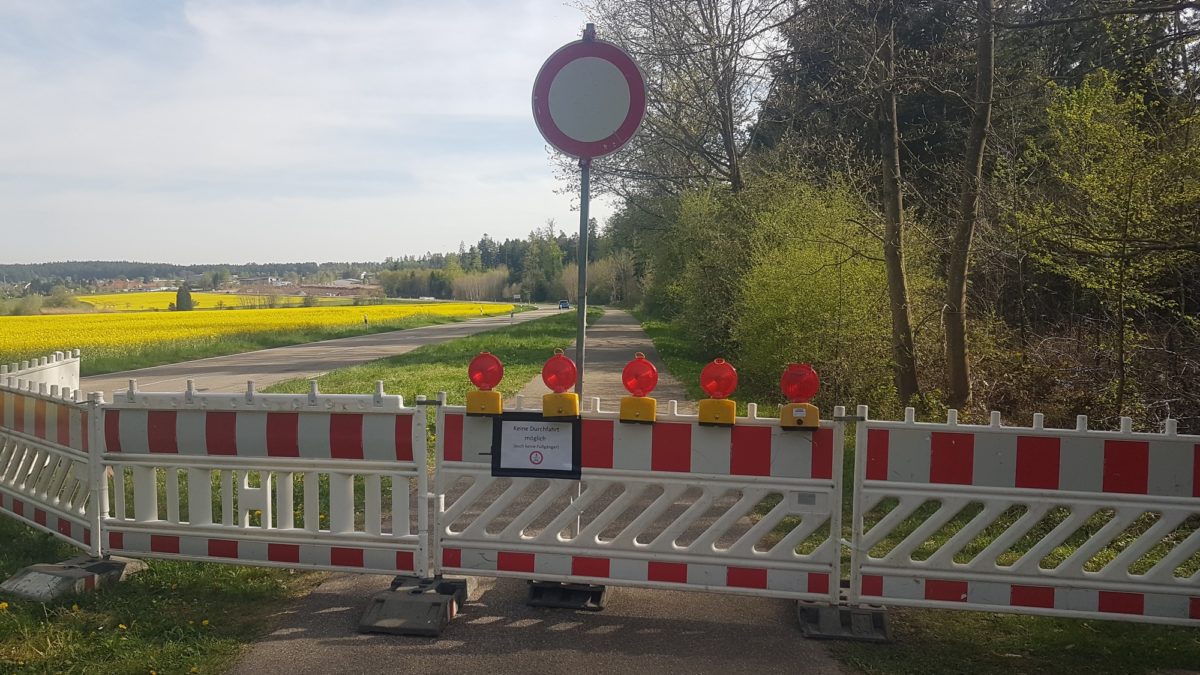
x=415 y=606
x=868 y=623
x=588 y=597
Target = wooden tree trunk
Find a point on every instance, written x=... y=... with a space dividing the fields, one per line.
x=903 y=350
x=955 y=313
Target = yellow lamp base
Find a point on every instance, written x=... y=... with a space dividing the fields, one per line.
x=640 y=409
x=484 y=403
x=799 y=416
x=717 y=412
x=560 y=405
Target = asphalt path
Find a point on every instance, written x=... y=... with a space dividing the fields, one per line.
x=496 y=632
x=268 y=366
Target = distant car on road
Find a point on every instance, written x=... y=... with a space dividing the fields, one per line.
x=563 y=304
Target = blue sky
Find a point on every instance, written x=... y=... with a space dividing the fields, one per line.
x=255 y=130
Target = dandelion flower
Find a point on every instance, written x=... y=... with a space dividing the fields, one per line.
x=3 y=606
x=121 y=626
x=204 y=622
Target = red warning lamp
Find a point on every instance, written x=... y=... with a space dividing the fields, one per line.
x=799 y=382
x=485 y=371
x=640 y=377
x=718 y=379
x=559 y=373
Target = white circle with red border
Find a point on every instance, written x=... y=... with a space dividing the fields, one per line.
x=536 y=458
x=589 y=98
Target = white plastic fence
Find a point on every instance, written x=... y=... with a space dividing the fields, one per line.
x=749 y=509
x=1029 y=520
x=46 y=469
x=316 y=481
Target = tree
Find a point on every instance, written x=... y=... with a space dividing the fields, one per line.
x=1120 y=206
x=183 y=298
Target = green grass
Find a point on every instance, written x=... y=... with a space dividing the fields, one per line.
x=100 y=362
x=948 y=641
x=155 y=620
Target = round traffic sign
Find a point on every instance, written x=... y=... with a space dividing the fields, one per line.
x=589 y=98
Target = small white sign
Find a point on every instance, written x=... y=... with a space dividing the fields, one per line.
x=536 y=445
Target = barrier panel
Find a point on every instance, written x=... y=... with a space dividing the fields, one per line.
x=748 y=509
x=1057 y=522
x=314 y=481
x=46 y=469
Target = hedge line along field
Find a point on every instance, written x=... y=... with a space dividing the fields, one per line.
x=161 y=300
x=123 y=340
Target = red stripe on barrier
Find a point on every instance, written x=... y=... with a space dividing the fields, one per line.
x=160 y=432
x=745 y=577
x=585 y=566
x=1196 y=471
x=750 y=451
x=946 y=591
x=220 y=433
x=1037 y=464
x=222 y=548
x=1126 y=466
x=39 y=516
x=345 y=557
x=877 y=455
x=112 y=430
x=952 y=458
x=87 y=537
x=162 y=543
x=822 y=453
x=1194 y=608
x=667 y=572
x=872 y=584
x=452 y=450
x=84 y=430
x=89 y=582
x=597 y=451
x=64 y=528
x=283 y=435
x=1031 y=596
x=671 y=447
x=19 y=412
x=451 y=557
x=4 y=410
x=345 y=436
x=818 y=583
x=1115 y=602
x=507 y=561
x=404 y=442
x=406 y=561
x=63 y=422
x=39 y=418
x=18 y=507
x=286 y=553
x=116 y=540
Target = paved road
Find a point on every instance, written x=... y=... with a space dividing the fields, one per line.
x=268 y=366
x=640 y=630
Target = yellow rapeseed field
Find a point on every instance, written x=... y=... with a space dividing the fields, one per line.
x=148 y=300
x=120 y=333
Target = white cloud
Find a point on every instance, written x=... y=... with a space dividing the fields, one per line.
x=366 y=129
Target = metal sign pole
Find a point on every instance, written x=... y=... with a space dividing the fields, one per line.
x=585 y=165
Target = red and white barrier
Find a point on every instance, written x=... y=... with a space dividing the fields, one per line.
x=46 y=470
x=1101 y=501
x=745 y=509
x=285 y=469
